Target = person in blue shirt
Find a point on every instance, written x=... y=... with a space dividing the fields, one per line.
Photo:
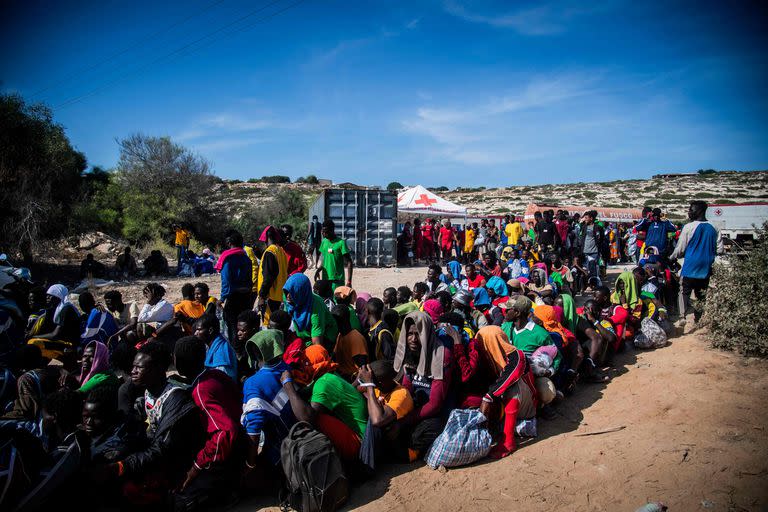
x=657 y=231
x=699 y=243
x=99 y=323
x=236 y=285
x=219 y=355
x=267 y=409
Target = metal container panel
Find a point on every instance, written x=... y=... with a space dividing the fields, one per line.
x=366 y=219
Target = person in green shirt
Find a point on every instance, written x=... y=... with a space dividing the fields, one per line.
x=314 y=323
x=404 y=303
x=335 y=407
x=334 y=256
x=95 y=370
x=522 y=332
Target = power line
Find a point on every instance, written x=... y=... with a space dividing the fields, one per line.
x=125 y=50
x=185 y=47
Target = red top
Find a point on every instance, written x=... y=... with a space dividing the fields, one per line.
x=297 y=261
x=446 y=235
x=217 y=397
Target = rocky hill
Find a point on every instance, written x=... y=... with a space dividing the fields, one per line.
x=671 y=192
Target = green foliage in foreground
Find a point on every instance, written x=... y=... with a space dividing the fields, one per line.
x=737 y=310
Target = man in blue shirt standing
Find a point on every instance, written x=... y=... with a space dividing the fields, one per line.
x=657 y=231
x=699 y=243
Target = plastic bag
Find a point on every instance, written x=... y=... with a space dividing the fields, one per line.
x=651 y=335
x=464 y=440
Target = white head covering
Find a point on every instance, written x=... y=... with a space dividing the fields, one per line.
x=60 y=292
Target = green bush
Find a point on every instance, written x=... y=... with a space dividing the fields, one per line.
x=736 y=311
x=275 y=179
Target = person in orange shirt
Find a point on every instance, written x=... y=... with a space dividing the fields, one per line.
x=351 y=350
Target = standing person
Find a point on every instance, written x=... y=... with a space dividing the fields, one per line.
x=182 y=245
x=470 y=233
x=656 y=231
x=546 y=233
x=236 y=284
x=417 y=240
x=590 y=240
x=427 y=248
x=334 y=256
x=563 y=228
x=514 y=232
x=314 y=238
x=297 y=260
x=446 y=240
x=493 y=237
x=273 y=272
x=699 y=242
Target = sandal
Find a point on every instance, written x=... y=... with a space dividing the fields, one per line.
x=598 y=377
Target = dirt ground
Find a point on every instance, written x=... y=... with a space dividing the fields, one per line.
x=686 y=425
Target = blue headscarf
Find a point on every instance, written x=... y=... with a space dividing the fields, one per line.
x=300 y=289
x=498 y=286
x=455 y=268
x=481 y=297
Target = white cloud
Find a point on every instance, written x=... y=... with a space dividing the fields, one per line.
x=227 y=143
x=541 y=20
x=223 y=123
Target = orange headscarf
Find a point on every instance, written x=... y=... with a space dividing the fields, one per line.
x=548 y=317
x=496 y=345
x=319 y=360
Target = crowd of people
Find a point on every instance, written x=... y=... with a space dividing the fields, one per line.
x=187 y=405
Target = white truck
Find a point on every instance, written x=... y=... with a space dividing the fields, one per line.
x=738 y=223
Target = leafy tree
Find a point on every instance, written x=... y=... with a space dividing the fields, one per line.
x=100 y=206
x=162 y=182
x=275 y=179
x=40 y=173
x=395 y=185
x=309 y=180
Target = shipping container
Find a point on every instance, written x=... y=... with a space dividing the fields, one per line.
x=366 y=219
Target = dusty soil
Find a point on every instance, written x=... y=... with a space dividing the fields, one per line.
x=692 y=434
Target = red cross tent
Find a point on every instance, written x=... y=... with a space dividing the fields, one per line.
x=420 y=201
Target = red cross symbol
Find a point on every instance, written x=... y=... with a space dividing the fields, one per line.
x=718 y=212
x=425 y=200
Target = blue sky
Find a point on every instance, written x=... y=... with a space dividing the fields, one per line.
x=434 y=92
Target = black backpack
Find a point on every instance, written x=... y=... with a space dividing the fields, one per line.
x=314 y=475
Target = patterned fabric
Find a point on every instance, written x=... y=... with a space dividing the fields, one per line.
x=464 y=440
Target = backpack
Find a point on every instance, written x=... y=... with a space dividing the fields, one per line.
x=314 y=476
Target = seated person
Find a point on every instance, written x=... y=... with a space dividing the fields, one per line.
x=350 y=351
x=203 y=296
x=419 y=291
x=174 y=432
x=473 y=278
x=125 y=265
x=427 y=365
x=35 y=380
x=346 y=296
x=381 y=341
x=267 y=414
x=514 y=391
x=99 y=324
x=213 y=474
x=388 y=405
x=91 y=268
x=313 y=320
x=155 y=312
x=188 y=310
x=94 y=369
x=156 y=264
x=389 y=296
x=39 y=320
x=523 y=333
x=335 y=407
x=594 y=335
x=324 y=289
x=433 y=281
x=618 y=317
x=66 y=319
x=112 y=434
x=219 y=354
x=538 y=286
x=404 y=303
x=126 y=315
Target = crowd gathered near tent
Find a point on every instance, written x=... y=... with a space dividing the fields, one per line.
x=292 y=368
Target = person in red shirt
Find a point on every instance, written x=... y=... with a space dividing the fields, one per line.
x=297 y=260
x=214 y=471
x=427 y=237
x=446 y=239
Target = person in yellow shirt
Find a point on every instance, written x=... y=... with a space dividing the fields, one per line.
x=182 y=245
x=469 y=243
x=514 y=232
x=273 y=273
